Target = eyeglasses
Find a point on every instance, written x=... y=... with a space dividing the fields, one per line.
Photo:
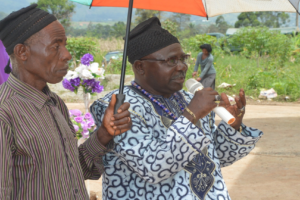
x=173 y=61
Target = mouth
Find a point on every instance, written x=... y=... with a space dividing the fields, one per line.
x=63 y=71
x=179 y=79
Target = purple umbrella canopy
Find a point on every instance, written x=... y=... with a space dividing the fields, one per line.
x=3 y=62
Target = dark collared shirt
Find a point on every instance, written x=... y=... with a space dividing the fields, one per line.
x=39 y=157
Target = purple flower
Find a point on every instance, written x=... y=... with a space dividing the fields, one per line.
x=85 y=133
x=89 y=82
x=97 y=88
x=76 y=127
x=75 y=112
x=75 y=82
x=86 y=59
x=78 y=119
x=68 y=85
x=87 y=116
x=91 y=123
x=84 y=126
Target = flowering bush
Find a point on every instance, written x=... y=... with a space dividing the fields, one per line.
x=84 y=124
x=85 y=75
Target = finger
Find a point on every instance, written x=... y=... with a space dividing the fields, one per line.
x=121 y=115
x=119 y=132
x=123 y=127
x=238 y=102
x=213 y=92
x=122 y=121
x=112 y=102
x=225 y=99
x=243 y=97
x=124 y=107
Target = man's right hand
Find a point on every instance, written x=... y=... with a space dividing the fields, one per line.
x=194 y=74
x=202 y=104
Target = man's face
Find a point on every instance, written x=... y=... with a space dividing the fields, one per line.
x=48 y=60
x=160 y=76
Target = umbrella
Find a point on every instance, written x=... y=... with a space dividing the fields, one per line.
x=204 y=8
x=295 y=3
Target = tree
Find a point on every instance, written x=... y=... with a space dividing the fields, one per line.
x=61 y=9
x=268 y=19
x=247 y=19
x=170 y=26
x=119 y=29
x=182 y=20
x=221 y=24
x=212 y=28
x=143 y=15
x=273 y=19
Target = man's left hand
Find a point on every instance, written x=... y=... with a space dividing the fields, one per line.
x=113 y=125
x=237 y=110
x=198 y=79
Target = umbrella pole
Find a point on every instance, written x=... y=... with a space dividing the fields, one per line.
x=121 y=96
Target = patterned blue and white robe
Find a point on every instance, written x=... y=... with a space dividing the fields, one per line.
x=161 y=159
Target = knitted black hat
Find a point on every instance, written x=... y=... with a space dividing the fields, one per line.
x=17 y=27
x=148 y=37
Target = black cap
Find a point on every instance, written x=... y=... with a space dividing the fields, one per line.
x=17 y=27
x=147 y=38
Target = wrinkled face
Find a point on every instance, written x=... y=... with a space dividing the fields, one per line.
x=48 y=58
x=160 y=76
x=205 y=52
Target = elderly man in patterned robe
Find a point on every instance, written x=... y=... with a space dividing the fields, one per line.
x=174 y=149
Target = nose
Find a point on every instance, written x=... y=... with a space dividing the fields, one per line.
x=66 y=56
x=181 y=66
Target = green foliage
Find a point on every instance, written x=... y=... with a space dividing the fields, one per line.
x=193 y=44
x=259 y=42
x=222 y=25
x=99 y=31
x=115 y=67
x=268 y=19
x=80 y=46
x=170 y=26
x=142 y=15
x=182 y=20
x=61 y=9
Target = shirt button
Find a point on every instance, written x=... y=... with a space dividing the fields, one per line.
x=71 y=165
x=76 y=191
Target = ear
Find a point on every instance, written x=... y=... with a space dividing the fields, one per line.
x=138 y=67
x=21 y=52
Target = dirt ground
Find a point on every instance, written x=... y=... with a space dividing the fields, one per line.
x=271 y=170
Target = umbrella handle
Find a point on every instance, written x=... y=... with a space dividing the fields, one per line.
x=120 y=101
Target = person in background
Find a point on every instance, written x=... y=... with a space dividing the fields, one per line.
x=3 y=62
x=208 y=73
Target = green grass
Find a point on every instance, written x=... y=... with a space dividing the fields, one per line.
x=244 y=72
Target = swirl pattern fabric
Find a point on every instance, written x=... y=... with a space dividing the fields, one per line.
x=153 y=161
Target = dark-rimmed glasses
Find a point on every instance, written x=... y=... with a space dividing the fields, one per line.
x=173 y=61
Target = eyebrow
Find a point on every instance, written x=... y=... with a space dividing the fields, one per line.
x=175 y=54
x=58 y=40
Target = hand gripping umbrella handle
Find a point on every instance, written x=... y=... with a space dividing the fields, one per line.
x=120 y=101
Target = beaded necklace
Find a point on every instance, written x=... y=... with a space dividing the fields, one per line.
x=157 y=102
